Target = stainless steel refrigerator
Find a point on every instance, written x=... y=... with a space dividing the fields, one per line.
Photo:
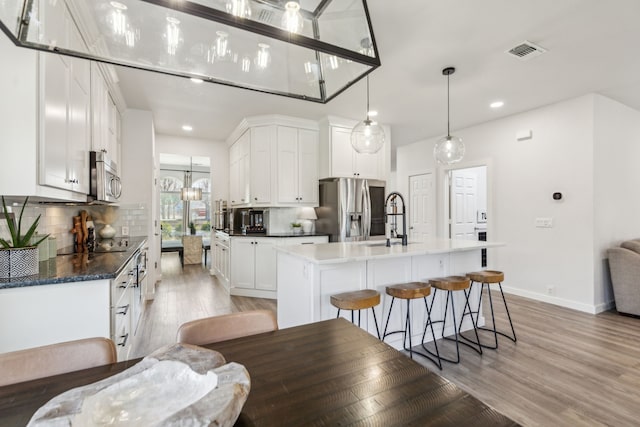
x=351 y=209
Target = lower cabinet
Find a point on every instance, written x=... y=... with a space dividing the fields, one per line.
x=253 y=266
x=253 y=263
x=221 y=258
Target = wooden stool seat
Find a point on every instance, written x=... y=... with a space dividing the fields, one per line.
x=487 y=276
x=451 y=283
x=356 y=300
x=410 y=290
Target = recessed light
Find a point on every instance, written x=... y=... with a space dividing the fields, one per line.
x=187 y=128
x=118 y=5
x=496 y=104
x=373 y=113
x=196 y=80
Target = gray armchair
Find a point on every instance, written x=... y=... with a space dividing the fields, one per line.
x=624 y=263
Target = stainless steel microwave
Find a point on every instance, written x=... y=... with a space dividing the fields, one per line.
x=105 y=185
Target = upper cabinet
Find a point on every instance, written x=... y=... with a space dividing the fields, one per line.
x=65 y=104
x=105 y=118
x=273 y=161
x=338 y=159
x=297 y=165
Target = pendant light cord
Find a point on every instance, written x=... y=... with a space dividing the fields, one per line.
x=448 y=106
x=367 y=96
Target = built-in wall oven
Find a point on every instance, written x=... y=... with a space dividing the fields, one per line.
x=105 y=185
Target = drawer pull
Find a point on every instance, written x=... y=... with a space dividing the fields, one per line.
x=306 y=243
x=123 y=285
x=126 y=309
x=124 y=341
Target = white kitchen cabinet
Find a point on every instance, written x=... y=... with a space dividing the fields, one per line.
x=281 y=163
x=260 y=164
x=65 y=110
x=338 y=159
x=239 y=167
x=105 y=118
x=253 y=266
x=297 y=166
x=221 y=258
x=27 y=121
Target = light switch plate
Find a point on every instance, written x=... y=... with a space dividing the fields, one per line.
x=125 y=230
x=544 y=222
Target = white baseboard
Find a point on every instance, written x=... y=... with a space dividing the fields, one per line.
x=586 y=308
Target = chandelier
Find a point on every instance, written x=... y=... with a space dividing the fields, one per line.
x=311 y=49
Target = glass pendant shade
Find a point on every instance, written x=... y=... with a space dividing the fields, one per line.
x=448 y=150
x=367 y=137
x=191 y=193
x=292 y=19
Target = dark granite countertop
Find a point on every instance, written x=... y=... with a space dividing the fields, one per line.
x=78 y=267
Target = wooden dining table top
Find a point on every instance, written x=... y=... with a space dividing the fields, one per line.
x=321 y=374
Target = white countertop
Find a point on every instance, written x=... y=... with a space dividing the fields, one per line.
x=331 y=253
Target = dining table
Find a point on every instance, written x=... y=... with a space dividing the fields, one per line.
x=328 y=373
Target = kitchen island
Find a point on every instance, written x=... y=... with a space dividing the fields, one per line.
x=308 y=275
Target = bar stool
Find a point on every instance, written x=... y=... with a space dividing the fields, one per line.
x=452 y=284
x=410 y=291
x=357 y=300
x=486 y=278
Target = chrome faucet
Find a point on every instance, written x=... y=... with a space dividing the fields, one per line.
x=392 y=198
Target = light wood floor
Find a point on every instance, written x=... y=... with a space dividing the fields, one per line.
x=184 y=295
x=567 y=369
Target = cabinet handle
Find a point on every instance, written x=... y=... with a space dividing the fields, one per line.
x=125 y=307
x=124 y=342
x=123 y=285
x=104 y=150
x=255 y=198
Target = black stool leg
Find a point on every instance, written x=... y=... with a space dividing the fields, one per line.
x=384 y=334
x=338 y=316
x=467 y=305
x=433 y=335
x=455 y=329
x=375 y=321
x=514 y=339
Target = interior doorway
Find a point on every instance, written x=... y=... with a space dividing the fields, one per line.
x=467 y=205
x=422 y=225
x=184 y=201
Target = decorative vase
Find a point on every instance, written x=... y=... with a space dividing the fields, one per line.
x=18 y=262
x=107 y=232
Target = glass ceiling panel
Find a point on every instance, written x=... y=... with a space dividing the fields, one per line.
x=312 y=51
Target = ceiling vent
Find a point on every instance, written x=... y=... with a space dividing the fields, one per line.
x=265 y=16
x=526 y=50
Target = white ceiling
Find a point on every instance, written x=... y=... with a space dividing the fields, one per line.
x=592 y=47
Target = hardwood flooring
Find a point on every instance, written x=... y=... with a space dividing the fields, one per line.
x=184 y=295
x=567 y=369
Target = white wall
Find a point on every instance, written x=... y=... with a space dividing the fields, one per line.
x=138 y=185
x=616 y=184
x=521 y=177
x=217 y=152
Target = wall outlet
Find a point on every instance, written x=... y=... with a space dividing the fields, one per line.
x=551 y=289
x=125 y=230
x=544 y=222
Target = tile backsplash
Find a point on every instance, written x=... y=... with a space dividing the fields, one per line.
x=58 y=220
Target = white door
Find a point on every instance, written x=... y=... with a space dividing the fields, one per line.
x=261 y=164
x=422 y=224
x=464 y=201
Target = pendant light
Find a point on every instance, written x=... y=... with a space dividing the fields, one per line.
x=292 y=19
x=367 y=136
x=188 y=192
x=449 y=149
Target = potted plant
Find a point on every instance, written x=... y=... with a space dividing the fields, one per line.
x=19 y=255
x=296 y=227
x=192 y=227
